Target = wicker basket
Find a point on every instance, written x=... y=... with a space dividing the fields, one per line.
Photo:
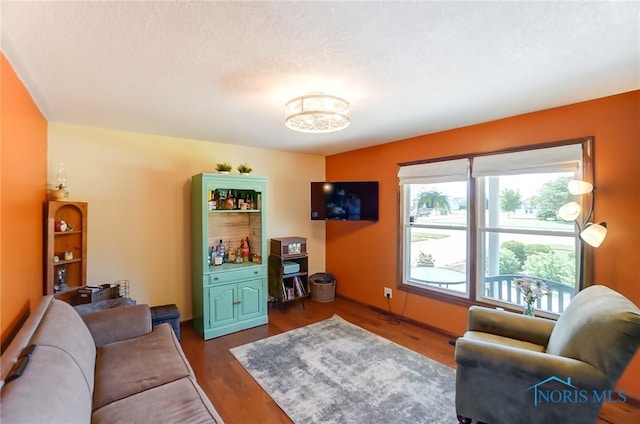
x=323 y=292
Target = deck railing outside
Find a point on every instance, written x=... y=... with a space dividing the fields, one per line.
x=503 y=288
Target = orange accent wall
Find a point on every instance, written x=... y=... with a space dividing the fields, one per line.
x=22 y=193
x=362 y=256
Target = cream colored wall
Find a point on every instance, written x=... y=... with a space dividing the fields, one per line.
x=137 y=188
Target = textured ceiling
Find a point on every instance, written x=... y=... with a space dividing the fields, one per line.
x=222 y=71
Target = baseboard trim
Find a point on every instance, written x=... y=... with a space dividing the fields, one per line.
x=403 y=318
x=633 y=401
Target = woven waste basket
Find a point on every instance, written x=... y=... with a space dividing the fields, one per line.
x=323 y=287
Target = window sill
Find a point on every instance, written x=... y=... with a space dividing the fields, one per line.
x=462 y=301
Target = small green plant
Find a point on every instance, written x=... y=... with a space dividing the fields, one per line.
x=243 y=168
x=424 y=259
x=224 y=166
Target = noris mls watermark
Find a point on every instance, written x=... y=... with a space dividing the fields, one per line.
x=565 y=392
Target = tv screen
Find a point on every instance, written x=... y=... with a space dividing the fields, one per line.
x=344 y=200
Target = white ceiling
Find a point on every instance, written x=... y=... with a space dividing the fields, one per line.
x=223 y=70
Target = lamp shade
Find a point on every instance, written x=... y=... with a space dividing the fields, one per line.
x=577 y=187
x=594 y=234
x=570 y=211
x=317 y=113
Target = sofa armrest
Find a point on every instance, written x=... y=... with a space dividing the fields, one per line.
x=508 y=324
x=526 y=365
x=112 y=325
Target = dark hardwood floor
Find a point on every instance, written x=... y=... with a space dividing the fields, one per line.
x=239 y=399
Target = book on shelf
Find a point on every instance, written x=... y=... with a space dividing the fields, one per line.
x=299 y=286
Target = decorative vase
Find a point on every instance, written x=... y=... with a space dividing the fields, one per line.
x=528 y=309
x=223 y=172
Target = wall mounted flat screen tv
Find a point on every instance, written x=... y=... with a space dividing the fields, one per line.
x=344 y=200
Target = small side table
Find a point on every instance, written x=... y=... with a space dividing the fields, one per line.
x=166 y=313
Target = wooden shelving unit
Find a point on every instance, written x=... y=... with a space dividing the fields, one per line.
x=63 y=276
x=284 y=285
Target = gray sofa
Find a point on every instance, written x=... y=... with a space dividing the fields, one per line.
x=106 y=367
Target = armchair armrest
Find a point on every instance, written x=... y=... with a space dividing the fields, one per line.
x=508 y=324
x=528 y=366
x=112 y=325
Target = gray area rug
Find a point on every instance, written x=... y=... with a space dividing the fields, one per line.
x=336 y=372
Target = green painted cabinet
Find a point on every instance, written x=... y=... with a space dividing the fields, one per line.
x=230 y=293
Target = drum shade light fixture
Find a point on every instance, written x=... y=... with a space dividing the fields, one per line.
x=317 y=113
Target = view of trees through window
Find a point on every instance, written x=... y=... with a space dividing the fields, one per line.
x=519 y=233
x=549 y=261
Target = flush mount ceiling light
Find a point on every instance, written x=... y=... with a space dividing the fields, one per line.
x=317 y=113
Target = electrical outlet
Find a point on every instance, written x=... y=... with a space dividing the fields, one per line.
x=388 y=293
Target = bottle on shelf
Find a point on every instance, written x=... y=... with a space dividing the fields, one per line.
x=231 y=253
x=239 y=251
x=216 y=199
x=211 y=204
x=222 y=199
x=230 y=202
x=245 y=250
x=217 y=259
x=221 y=251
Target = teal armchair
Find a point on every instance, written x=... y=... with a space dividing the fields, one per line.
x=517 y=368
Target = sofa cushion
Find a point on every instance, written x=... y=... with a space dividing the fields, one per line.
x=52 y=389
x=63 y=328
x=130 y=366
x=181 y=401
x=598 y=321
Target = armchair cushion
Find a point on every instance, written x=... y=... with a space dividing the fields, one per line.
x=600 y=327
x=504 y=341
x=513 y=326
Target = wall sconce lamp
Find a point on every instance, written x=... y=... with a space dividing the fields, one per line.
x=591 y=233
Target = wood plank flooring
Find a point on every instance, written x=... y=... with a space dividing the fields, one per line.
x=240 y=400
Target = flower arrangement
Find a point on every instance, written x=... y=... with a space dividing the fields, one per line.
x=243 y=168
x=223 y=167
x=425 y=259
x=531 y=290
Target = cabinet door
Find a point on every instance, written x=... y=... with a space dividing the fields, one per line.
x=252 y=298
x=222 y=309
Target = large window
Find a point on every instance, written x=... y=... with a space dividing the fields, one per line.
x=472 y=226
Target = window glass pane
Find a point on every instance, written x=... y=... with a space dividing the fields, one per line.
x=438 y=258
x=439 y=204
x=523 y=236
x=528 y=201
x=551 y=259
x=436 y=239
